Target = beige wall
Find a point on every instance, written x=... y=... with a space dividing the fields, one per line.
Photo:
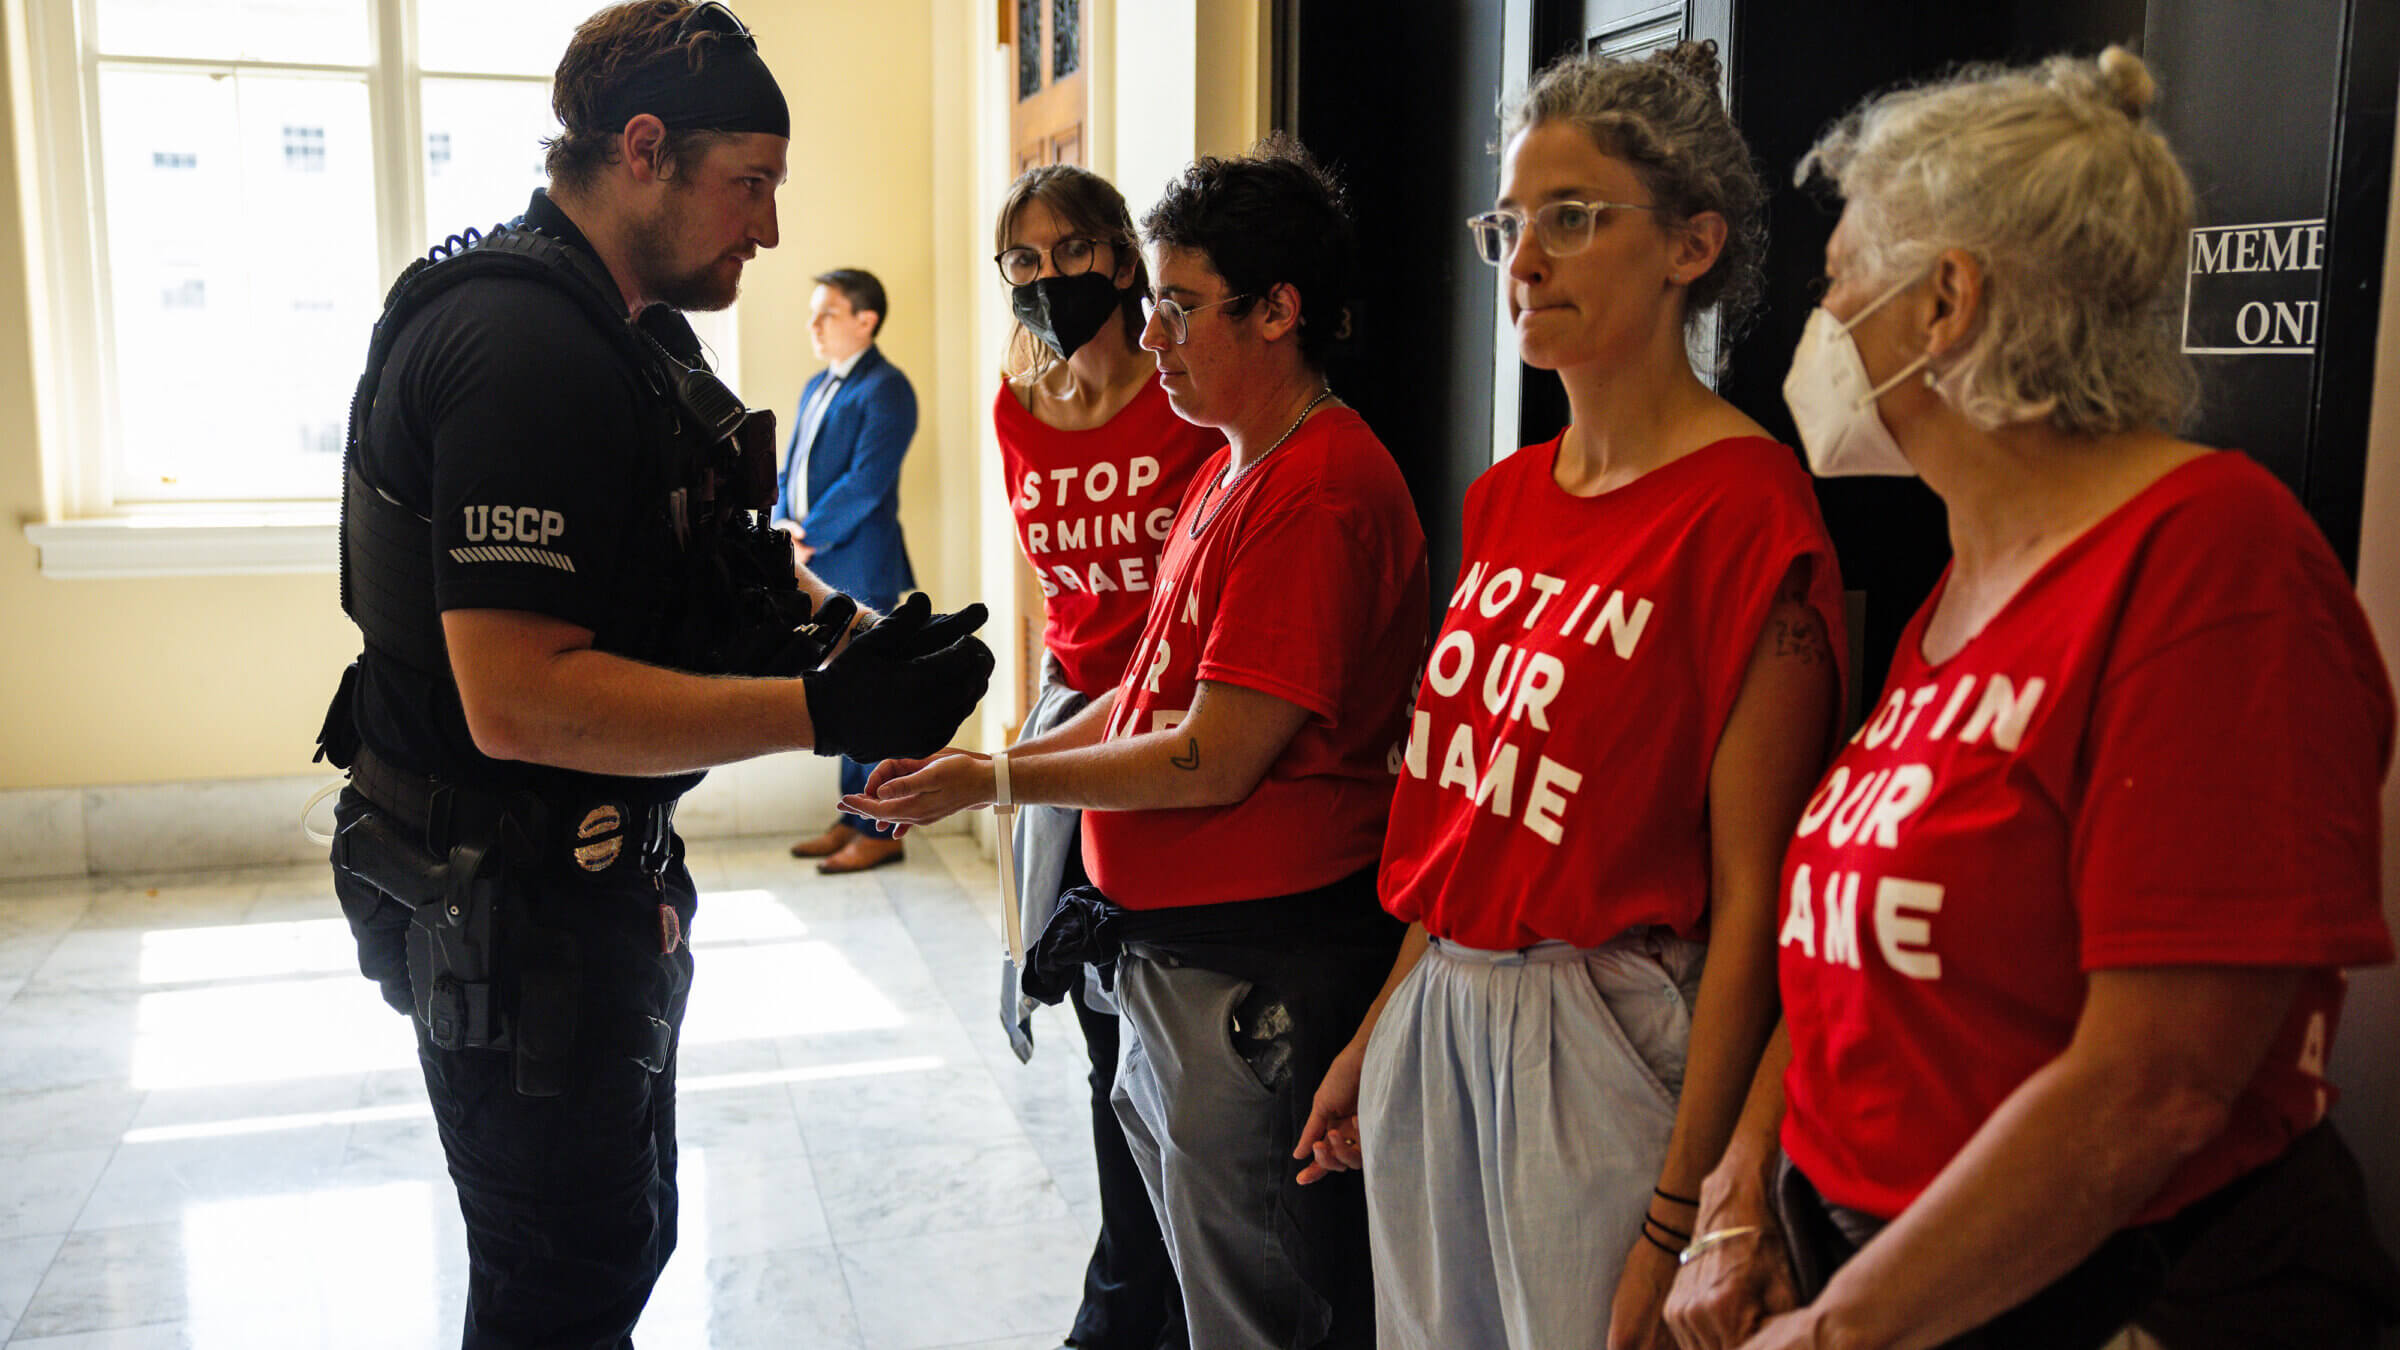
x=204 y=678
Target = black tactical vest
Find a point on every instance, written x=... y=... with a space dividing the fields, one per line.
x=704 y=572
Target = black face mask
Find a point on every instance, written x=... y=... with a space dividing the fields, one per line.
x=1065 y=312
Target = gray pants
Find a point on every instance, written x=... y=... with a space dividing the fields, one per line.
x=1514 y=1111
x=1211 y=1113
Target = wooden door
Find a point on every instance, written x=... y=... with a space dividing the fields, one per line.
x=1047 y=41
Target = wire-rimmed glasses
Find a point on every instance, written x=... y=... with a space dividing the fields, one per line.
x=1069 y=257
x=1178 y=318
x=1563 y=229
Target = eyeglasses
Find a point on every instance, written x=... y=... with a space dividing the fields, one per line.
x=1563 y=229
x=1177 y=318
x=1071 y=257
x=714 y=17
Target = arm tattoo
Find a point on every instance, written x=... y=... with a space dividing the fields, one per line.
x=1803 y=642
x=1189 y=760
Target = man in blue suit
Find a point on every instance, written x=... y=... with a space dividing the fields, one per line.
x=839 y=497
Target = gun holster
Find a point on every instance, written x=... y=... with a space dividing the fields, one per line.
x=483 y=976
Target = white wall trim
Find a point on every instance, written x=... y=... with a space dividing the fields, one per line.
x=235 y=543
x=136 y=828
x=1508 y=364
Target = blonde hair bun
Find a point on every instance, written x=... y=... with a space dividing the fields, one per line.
x=2126 y=82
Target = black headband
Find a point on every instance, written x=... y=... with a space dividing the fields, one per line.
x=732 y=91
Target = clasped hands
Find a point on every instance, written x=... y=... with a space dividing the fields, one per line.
x=907 y=792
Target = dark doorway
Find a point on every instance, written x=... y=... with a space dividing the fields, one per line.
x=1403 y=109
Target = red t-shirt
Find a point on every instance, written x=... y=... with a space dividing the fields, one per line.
x=1555 y=784
x=2165 y=750
x=1307 y=583
x=1092 y=509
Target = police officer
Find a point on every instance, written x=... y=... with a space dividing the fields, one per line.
x=555 y=544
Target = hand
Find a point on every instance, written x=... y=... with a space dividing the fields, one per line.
x=1732 y=1287
x=889 y=693
x=1331 y=1136
x=890 y=769
x=801 y=552
x=924 y=791
x=924 y=631
x=1633 y=1315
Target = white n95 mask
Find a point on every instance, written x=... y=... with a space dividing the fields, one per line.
x=1834 y=405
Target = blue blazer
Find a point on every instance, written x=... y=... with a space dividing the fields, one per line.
x=853 y=479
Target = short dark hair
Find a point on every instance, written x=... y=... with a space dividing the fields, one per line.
x=1271 y=217
x=861 y=289
x=609 y=50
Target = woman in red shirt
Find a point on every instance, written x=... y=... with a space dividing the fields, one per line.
x=2062 y=929
x=1634 y=686
x=1097 y=462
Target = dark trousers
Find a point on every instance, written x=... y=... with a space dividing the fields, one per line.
x=2285 y=1257
x=854 y=774
x=569 y=1200
x=853 y=780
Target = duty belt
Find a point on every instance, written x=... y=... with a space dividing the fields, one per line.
x=442 y=814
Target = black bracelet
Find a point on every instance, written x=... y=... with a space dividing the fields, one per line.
x=1671 y=1251
x=1662 y=1194
x=1676 y=1233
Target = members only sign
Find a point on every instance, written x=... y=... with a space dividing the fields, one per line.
x=2253 y=289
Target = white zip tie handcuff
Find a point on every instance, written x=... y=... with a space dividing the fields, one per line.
x=1004 y=818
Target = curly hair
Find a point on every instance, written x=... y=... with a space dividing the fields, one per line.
x=1663 y=116
x=1271 y=217
x=607 y=51
x=1092 y=207
x=2053 y=178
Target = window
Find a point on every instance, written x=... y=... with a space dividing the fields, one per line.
x=1029 y=48
x=229 y=186
x=1066 y=32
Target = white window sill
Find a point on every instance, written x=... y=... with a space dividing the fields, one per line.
x=196 y=542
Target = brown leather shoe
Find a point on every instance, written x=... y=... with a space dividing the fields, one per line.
x=827 y=844
x=862 y=853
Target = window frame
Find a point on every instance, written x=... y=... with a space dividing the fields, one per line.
x=87 y=531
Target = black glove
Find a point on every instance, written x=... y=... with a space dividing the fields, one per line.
x=893 y=694
x=797 y=641
x=940 y=630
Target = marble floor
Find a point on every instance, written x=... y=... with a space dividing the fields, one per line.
x=213 y=1135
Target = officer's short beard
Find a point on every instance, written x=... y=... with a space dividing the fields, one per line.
x=654 y=241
